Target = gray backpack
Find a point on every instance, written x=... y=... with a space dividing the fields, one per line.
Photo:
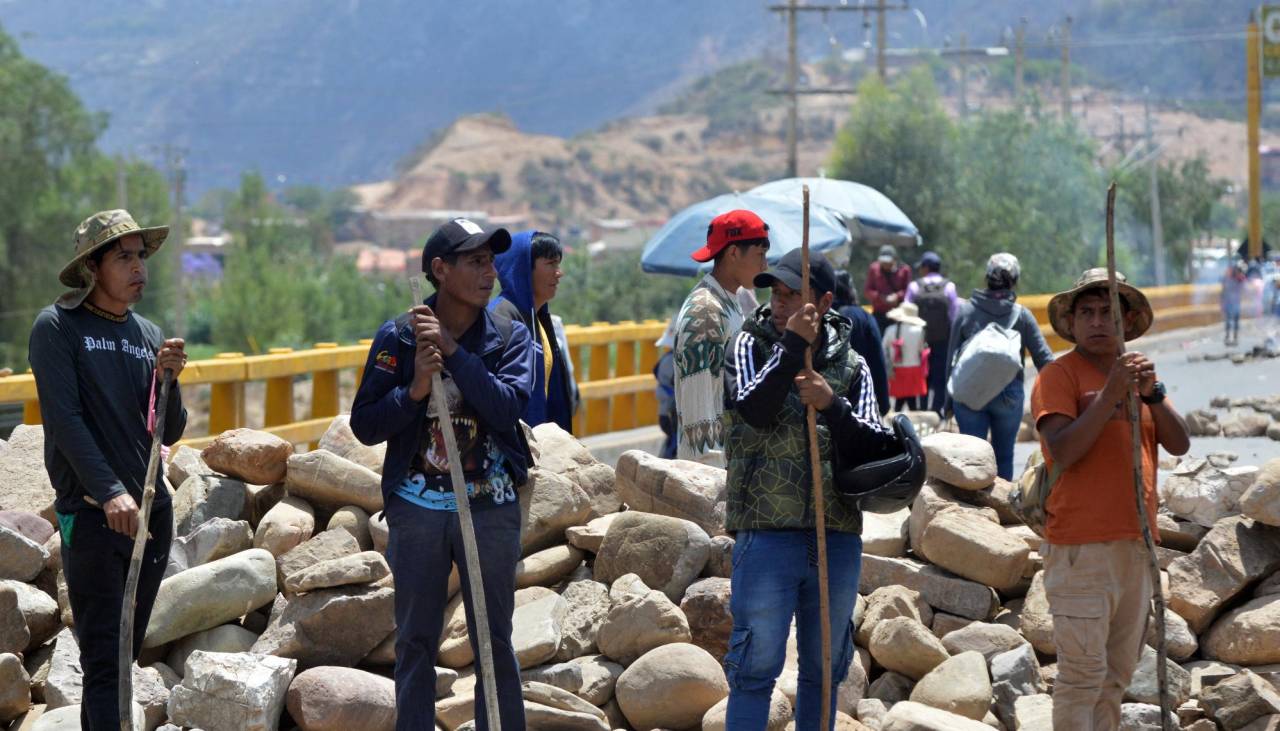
x=988 y=362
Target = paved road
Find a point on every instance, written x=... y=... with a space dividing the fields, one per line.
x=1193 y=382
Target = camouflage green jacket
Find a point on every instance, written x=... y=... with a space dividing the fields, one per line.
x=769 y=483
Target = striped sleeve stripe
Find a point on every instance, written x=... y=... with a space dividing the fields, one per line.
x=748 y=376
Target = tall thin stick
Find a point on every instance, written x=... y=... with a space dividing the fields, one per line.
x=479 y=607
x=1135 y=427
x=128 y=609
x=819 y=500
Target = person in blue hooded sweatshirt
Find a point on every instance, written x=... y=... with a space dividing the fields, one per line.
x=529 y=273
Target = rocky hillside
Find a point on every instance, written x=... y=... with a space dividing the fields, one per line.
x=277 y=607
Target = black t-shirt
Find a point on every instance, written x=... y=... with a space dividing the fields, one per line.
x=94 y=377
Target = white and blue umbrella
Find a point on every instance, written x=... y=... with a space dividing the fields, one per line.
x=667 y=252
x=872 y=218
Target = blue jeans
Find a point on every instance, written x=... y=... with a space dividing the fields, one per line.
x=422 y=546
x=775 y=577
x=1002 y=416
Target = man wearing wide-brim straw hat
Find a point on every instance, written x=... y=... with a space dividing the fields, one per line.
x=95 y=363
x=1096 y=573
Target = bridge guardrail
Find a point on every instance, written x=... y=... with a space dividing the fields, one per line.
x=613 y=363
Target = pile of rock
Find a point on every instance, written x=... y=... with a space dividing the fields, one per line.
x=1237 y=417
x=277 y=608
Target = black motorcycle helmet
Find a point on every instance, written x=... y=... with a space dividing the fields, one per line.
x=886 y=485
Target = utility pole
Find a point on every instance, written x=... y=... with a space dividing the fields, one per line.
x=881 y=39
x=1066 y=69
x=1253 y=83
x=1157 y=226
x=1019 y=57
x=793 y=8
x=964 y=74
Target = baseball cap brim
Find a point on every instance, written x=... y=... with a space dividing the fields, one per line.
x=498 y=239
x=766 y=279
x=706 y=253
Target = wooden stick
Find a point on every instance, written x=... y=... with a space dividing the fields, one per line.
x=128 y=608
x=1135 y=427
x=819 y=500
x=479 y=607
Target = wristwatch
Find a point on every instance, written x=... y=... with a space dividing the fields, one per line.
x=1158 y=392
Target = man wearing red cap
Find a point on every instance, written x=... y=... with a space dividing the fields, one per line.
x=709 y=319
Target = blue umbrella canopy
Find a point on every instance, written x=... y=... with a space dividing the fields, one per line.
x=872 y=218
x=667 y=252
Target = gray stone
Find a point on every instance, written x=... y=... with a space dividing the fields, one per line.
x=549 y=505
x=379 y=532
x=706 y=608
x=910 y=716
x=599 y=678
x=15 y=690
x=1179 y=641
x=14 y=634
x=354 y=520
x=778 y=718
x=1240 y=700
x=29 y=524
x=64 y=685
x=213 y=594
x=566 y=676
x=1247 y=635
x=987 y=639
x=588 y=605
x=535 y=636
x=39 y=611
x=1262 y=501
x=286 y=525
x=975 y=549
x=959 y=685
x=230 y=638
x=1014 y=674
x=589 y=537
x=340 y=440
x=959 y=460
x=1143 y=717
x=1143 y=687
x=338 y=699
x=672 y=686
x=885 y=534
x=890 y=688
x=324 y=546
x=329 y=626
x=20 y=557
x=1035 y=622
x=548 y=566
x=252 y=456
x=886 y=602
x=638 y=624
x=556 y=710
x=185 y=463
x=939 y=588
x=1200 y=492
x=720 y=559
x=904 y=645
x=1235 y=553
x=26 y=485
x=324 y=478
x=1034 y=713
x=230 y=692
x=214 y=539
x=934 y=499
x=666 y=553
x=359 y=568
x=557 y=451
x=676 y=488
x=151 y=694
x=204 y=497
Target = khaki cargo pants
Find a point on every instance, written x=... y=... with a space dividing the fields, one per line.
x=1099 y=595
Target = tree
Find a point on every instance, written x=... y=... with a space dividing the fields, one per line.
x=1187 y=197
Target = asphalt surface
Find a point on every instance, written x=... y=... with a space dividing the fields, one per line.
x=1193 y=382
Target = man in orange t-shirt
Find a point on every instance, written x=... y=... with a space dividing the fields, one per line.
x=1096 y=574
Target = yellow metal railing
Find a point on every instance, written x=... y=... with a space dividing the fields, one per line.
x=613 y=363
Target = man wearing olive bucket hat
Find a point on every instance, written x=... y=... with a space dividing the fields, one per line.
x=1096 y=571
x=95 y=363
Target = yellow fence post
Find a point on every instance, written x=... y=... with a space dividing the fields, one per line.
x=324 y=390
x=646 y=401
x=31 y=410
x=598 y=408
x=226 y=401
x=623 y=406
x=279 y=406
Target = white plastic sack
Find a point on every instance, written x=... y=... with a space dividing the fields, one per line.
x=989 y=362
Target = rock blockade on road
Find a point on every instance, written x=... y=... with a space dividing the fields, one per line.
x=277 y=608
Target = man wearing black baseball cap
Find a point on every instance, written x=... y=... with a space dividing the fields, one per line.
x=486 y=362
x=775 y=575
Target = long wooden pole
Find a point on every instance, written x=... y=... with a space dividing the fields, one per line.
x=479 y=607
x=819 y=500
x=1135 y=428
x=128 y=609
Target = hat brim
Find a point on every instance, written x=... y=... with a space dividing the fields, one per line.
x=152 y=239
x=767 y=279
x=1060 y=310
x=498 y=239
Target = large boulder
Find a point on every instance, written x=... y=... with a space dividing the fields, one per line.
x=1014 y=673
x=706 y=607
x=26 y=483
x=287 y=524
x=1179 y=641
x=249 y=455
x=15 y=689
x=1246 y=635
x=337 y=699
x=885 y=534
x=329 y=626
x=888 y=602
x=214 y=539
x=224 y=638
x=353 y=520
x=599 y=678
x=1143 y=686
x=548 y=708
x=1244 y=423
x=549 y=504
x=324 y=478
x=38 y=610
x=535 y=637
x=780 y=713
x=905 y=646
x=588 y=605
x=941 y=589
x=229 y=692
x=678 y=488
x=185 y=462
x=340 y=440
x=1204 y=494
x=1235 y=553
x=959 y=460
x=360 y=568
x=667 y=553
x=976 y=549
x=589 y=537
x=324 y=546
x=28 y=524
x=959 y=685
x=1240 y=700
x=911 y=716
x=204 y=497
x=548 y=566
x=20 y=557
x=14 y=634
x=556 y=450
x=1262 y=501
x=1036 y=622
x=639 y=623
x=209 y=595
x=934 y=499
x=986 y=639
x=671 y=687
x=64 y=682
